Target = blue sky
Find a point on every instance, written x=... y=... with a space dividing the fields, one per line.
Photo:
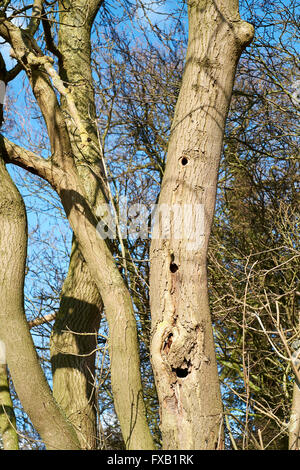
x=158 y=14
x=53 y=223
x=49 y=232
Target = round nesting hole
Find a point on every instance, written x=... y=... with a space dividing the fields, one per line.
x=181 y=373
x=173 y=267
x=184 y=161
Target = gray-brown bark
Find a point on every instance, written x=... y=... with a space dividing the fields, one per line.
x=294 y=425
x=62 y=174
x=8 y=430
x=35 y=394
x=123 y=343
x=74 y=340
x=182 y=349
x=73 y=349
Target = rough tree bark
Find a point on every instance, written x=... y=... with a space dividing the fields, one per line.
x=73 y=349
x=74 y=335
x=294 y=426
x=8 y=430
x=182 y=346
x=61 y=172
x=35 y=394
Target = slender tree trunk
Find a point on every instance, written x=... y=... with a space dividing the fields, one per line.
x=62 y=173
x=294 y=427
x=182 y=347
x=75 y=48
x=28 y=378
x=73 y=349
x=123 y=342
x=8 y=430
x=74 y=336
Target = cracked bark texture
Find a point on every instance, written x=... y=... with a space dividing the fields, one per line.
x=182 y=345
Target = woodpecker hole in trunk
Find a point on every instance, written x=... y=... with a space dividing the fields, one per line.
x=184 y=161
x=181 y=373
x=173 y=267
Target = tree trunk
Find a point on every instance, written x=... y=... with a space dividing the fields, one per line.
x=74 y=336
x=8 y=430
x=294 y=427
x=73 y=345
x=34 y=394
x=182 y=346
x=74 y=45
